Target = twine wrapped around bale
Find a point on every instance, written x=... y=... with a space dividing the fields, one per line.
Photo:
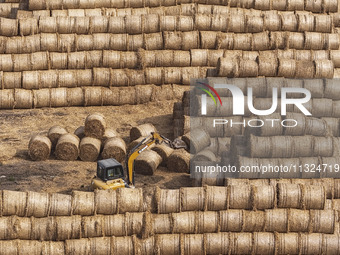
x=39 y=148
x=168 y=201
x=14 y=203
x=67 y=147
x=105 y=202
x=287 y=68
x=60 y=205
x=324 y=69
x=89 y=149
x=131 y=200
x=83 y=203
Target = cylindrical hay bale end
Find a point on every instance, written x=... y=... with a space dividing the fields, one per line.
x=164 y=151
x=147 y=162
x=179 y=161
x=80 y=132
x=89 y=149
x=39 y=147
x=141 y=130
x=95 y=126
x=114 y=147
x=197 y=140
x=54 y=133
x=67 y=147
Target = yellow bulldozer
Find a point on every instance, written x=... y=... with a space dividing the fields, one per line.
x=110 y=173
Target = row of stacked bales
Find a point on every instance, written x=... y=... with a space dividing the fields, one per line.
x=292 y=218
x=101 y=44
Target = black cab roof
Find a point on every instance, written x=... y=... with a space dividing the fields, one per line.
x=108 y=163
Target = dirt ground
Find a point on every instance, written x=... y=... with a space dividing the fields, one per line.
x=20 y=173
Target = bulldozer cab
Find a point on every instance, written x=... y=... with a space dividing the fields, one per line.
x=109 y=169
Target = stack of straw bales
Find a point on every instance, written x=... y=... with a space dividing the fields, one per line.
x=87 y=142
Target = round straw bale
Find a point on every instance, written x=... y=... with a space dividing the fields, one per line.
x=164 y=151
x=305 y=69
x=316 y=127
x=68 y=227
x=217 y=243
x=23 y=99
x=6 y=62
x=153 y=41
x=260 y=147
x=75 y=97
x=95 y=125
x=105 y=202
x=311 y=243
x=314 y=41
x=264 y=197
x=296 y=41
x=67 y=147
x=216 y=198
x=147 y=162
x=39 y=148
x=192 y=199
x=333 y=126
x=82 y=203
x=298 y=220
x=314 y=197
x=237 y=23
x=114 y=225
x=124 y=245
x=253 y=221
x=287 y=68
x=231 y=220
x=60 y=205
x=205 y=155
x=289 y=195
x=208 y=222
x=303 y=146
x=332 y=41
x=323 y=221
x=89 y=149
x=9 y=27
x=241 y=243
x=243 y=41
x=254 y=24
x=131 y=200
x=323 y=146
x=323 y=23
x=276 y=220
x=197 y=139
x=332 y=88
x=324 y=69
x=168 y=201
x=7 y=99
x=37 y=204
x=240 y=197
x=168 y=244
x=264 y=243
x=261 y=41
x=184 y=222
x=14 y=203
x=305 y=22
x=193 y=244
x=248 y=68
x=287 y=243
x=92 y=226
x=58 y=97
x=271 y=21
x=300 y=128
x=288 y=21
x=141 y=130
x=54 y=133
x=179 y=161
